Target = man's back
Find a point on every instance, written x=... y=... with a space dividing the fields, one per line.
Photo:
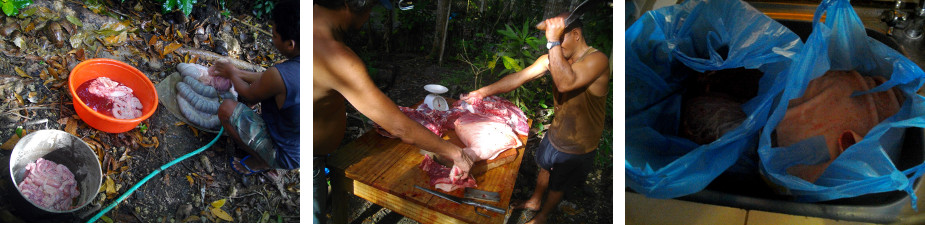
x=330 y=118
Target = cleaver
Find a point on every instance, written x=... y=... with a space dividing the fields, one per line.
x=574 y=15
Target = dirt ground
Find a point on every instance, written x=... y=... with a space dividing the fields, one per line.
x=402 y=78
x=34 y=99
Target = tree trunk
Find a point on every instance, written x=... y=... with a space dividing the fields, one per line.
x=482 y=7
x=443 y=16
x=388 y=31
x=443 y=42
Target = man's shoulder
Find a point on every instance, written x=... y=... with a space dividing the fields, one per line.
x=331 y=50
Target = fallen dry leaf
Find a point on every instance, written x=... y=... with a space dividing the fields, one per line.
x=191 y=218
x=19 y=98
x=71 y=126
x=294 y=187
x=221 y=214
x=29 y=27
x=170 y=48
x=190 y=179
x=109 y=186
x=195 y=131
x=10 y=143
x=21 y=72
x=152 y=41
x=51 y=71
x=218 y=203
x=80 y=54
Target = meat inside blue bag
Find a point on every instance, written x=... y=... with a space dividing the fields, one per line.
x=866 y=163
x=667 y=48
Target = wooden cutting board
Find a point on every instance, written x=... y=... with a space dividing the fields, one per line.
x=385 y=171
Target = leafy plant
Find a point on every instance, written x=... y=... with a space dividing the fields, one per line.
x=225 y=11
x=12 y=7
x=263 y=7
x=184 y=5
x=604 y=157
x=518 y=50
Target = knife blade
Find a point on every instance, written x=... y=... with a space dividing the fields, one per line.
x=472 y=193
x=459 y=200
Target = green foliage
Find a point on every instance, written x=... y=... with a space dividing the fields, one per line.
x=225 y=11
x=12 y=7
x=263 y=7
x=604 y=157
x=143 y=127
x=186 y=6
x=514 y=51
x=517 y=50
x=598 y=30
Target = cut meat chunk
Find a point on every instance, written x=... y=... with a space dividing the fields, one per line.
x=440 y=176
x=109 y=97
x=829 y=109
x=423 y=115
x=49 y=185
x=485 y=137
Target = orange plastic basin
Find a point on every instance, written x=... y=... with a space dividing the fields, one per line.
x=120 y=72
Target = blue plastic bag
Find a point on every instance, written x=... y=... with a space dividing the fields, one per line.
x=841 y=43
x=661 y=45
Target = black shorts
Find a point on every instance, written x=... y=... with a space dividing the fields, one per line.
x=564 y=169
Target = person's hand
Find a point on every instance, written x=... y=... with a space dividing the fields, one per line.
x=222 y=68
x=462 y=163
x=554 y=28
x=474 y=96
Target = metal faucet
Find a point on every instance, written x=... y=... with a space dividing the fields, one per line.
x=911 y=23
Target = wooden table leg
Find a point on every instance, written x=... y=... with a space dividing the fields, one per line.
x=342 y=187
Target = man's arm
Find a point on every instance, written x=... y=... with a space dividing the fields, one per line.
x=570 y=77
x=512 y=81
x=350 y=79
x=249 y=76
x=252 y=87
x=565 y=76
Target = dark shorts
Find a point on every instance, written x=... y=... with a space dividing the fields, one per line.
x=564 y=169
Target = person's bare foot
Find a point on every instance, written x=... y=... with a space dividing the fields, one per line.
x=531 y=204
x=251 y=162
x=538 y=219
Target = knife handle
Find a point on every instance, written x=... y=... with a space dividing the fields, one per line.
x=488 y=207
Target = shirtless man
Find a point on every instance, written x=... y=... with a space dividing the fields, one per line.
x=339 y=75
x=581 y=76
